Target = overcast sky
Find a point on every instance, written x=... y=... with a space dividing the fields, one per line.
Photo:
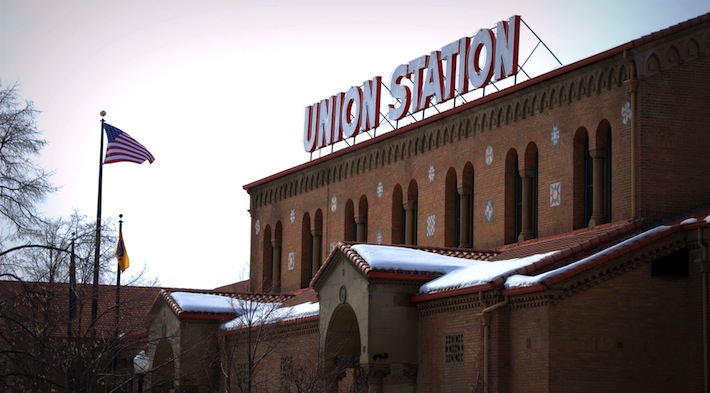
x=216 y=90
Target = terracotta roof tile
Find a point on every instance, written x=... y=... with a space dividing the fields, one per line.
x=362 y=265
x=28 y=298
x=166 y=295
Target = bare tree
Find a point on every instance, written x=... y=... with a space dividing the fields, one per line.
x=45 y=325
x=23 y=184
x=47 y=254
x=269 y=348
x=45 y=346
x=310 y=371
x=252 y=342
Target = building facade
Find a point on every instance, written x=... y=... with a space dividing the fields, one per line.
x=548 y=237
x=575 y=160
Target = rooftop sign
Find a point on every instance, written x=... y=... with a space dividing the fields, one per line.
x=457 y=68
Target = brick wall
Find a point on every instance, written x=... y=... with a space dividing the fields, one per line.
x=422 y=157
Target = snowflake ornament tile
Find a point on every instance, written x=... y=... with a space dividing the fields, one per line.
x=489 y=155
x=431 y=172
x=292 y=216
x=555 y=135
x=626 y=113
x=555 y=194
x=488 y=211
x=291 y=260
x=380 y=189
x=430 y=225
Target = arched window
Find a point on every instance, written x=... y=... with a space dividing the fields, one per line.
x=349 y=225
x=276 y=258
x=582 y=180
x=466 y=193
x=513 y=198
x=267 y=263
x=306 y=251
x=317 y=238
x=601 y=162
x=361 y=220
x=398 y=215
x=529 y=193
x=452 y=211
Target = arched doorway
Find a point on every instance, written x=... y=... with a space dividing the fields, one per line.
x=342 y=348
x=162 y=375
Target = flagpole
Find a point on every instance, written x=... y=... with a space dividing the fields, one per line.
x=97 y=249
x=118 y=304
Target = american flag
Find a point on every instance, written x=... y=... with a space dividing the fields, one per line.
x=121 y=147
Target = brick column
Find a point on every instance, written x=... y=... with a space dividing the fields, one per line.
x=526 y=230
x=316 y=234
x=598 y=208
x=465 y=219
x=409 y=222
x=275 y=265
x=361 y=228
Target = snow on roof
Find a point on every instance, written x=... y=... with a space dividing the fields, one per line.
x=479 y=272
x=203 y=302
x=259 y=313
x=407 y=259
x=456 y=272
x=519 y=280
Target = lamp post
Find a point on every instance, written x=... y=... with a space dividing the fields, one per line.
x=140 y=367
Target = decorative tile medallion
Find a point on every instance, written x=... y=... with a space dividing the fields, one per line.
x=626 y=112
x=555 y=135
x=555 y=194
x=488 y=211
x=431 y=172
x=489 y=155
x=333 y=203
x=379 y=236
x=292 y=216
x=257 y=226
x=430 y=225
x=380 y=189
x=291 y=260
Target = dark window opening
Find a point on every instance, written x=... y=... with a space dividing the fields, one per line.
x=673 y=265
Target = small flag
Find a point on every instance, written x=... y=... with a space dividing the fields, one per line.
x=122 y=254
x=121 y=147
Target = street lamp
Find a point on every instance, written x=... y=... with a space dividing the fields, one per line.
x=140 y=367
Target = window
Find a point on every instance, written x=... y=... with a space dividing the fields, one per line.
x=453 y=348
x=398 y=216
x=286 y=368
x=242 y=374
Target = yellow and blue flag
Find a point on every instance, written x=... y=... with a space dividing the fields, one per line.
x=121 y=253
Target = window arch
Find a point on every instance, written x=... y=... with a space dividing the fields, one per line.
x=361 y=220
x=466 y=193
x=276 y=242
x=582 y=180
x=267 y=263
x=317 y=238
x=602 y=175
x=349 y=226
x=398 y=215
x=452 y=211
x=513 y=198
x=529 y=193
x=306 y=251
